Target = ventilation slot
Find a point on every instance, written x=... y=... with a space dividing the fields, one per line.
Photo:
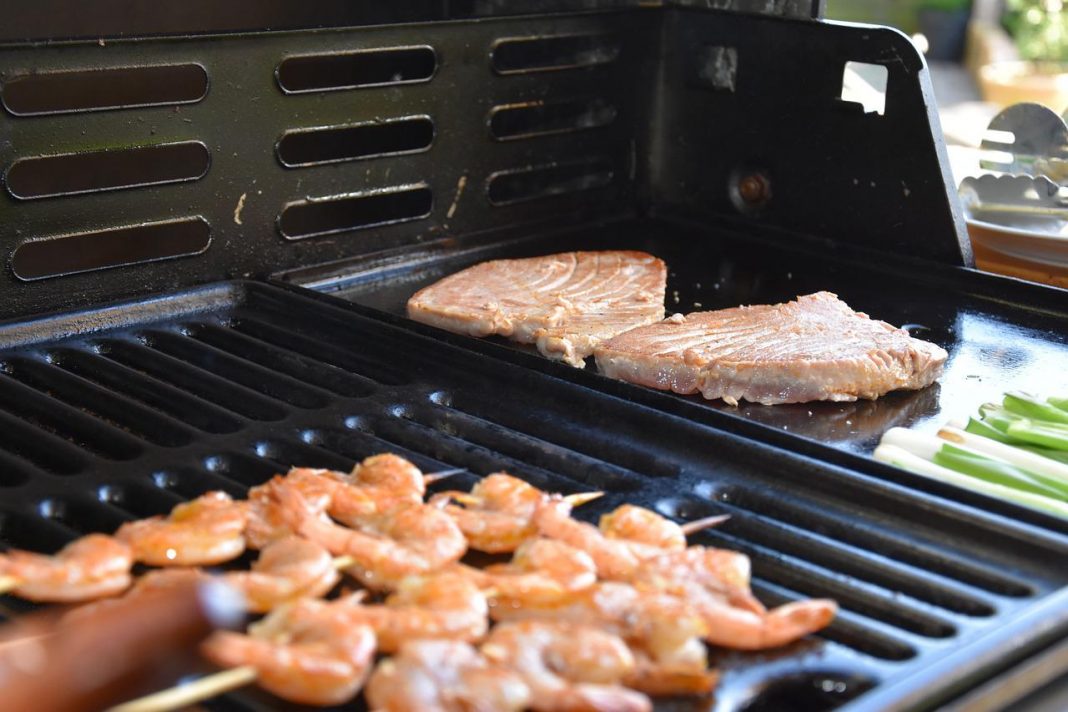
x=74 y=173
x=516 y=186
x=100 y=89
x=101 y=249
x=352 y=70
x=325 y=216
x=310 y=147
x=538 y=118
x=522 y=55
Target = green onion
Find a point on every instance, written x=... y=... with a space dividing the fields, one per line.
x=1044 y=434
x=1030 y=407
x=1030 y=462
x=997 y=417
x=902 y=458
x=1057 y=455
x=1059 y=403
x=986 y=430
x=993 y=471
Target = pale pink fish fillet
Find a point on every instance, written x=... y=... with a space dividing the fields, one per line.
x=565 y=304
x=813 y=348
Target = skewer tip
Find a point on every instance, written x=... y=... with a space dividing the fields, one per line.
x=343 y=562
x=8 y=584
x=432 y=477
x=468 y=500
x=708 y=522
x=581 y=498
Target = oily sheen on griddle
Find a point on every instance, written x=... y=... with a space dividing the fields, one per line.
x=813 y=348
x=565 y=304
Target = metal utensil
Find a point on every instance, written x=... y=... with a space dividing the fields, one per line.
x=1028 y=139
x=1019 y=201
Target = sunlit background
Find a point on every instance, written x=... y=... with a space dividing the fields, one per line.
x=984 y=56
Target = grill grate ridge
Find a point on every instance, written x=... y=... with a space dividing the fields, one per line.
x=100 y=403
x=258 y=379
x=149 y=391
x=40 y=447
x=919 y=554
x=217 y=390
x=80 y=429
x=866 y=565
x=284 y=361
x=523 y=447
x=461 y=453
x=332 y=355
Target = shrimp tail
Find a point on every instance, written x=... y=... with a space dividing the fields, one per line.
x=745 y=630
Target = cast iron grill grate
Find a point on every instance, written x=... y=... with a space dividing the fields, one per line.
x=225 y=386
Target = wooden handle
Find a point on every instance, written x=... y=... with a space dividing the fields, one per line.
x=89 y=663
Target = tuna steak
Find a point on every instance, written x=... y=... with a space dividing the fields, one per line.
x=813 y=348
x=565 y=304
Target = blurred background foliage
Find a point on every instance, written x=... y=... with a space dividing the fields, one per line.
x=1039 y=28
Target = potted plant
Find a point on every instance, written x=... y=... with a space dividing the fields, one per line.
x=1039 y=29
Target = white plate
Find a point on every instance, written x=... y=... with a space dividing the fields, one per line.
x=1033 y=245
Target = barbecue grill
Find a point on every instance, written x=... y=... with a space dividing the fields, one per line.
x=212 y=220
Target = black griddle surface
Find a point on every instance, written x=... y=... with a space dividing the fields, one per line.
x=122 y=413
x=1000 y=335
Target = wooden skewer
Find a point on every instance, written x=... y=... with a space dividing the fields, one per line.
x=343 y=562
x=575 y=500
x=8 y=584
x=698 y=524
x=203 y=688
x=433 y=477
x=581 y=498
x=206 y=687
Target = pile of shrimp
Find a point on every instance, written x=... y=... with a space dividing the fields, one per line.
x=580 y=617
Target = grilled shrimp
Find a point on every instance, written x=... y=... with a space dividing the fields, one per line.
x=407 y=539
x=321 y=490
x=444 y=676
x=663 y=626
x=647 y=532
x=741 y=629
x=286 y=569
x=626 y=536
x=304 y=652
x=540 y=570
x=496 y=516
x=687 y=676
x=446 y=606
x=208 y=530
x=390 y=478
x=616 y=559
x=715 y=582
x=700 y=570
x=567 y=666
x=376 y=485
x=642 y=528
x=94 y=566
